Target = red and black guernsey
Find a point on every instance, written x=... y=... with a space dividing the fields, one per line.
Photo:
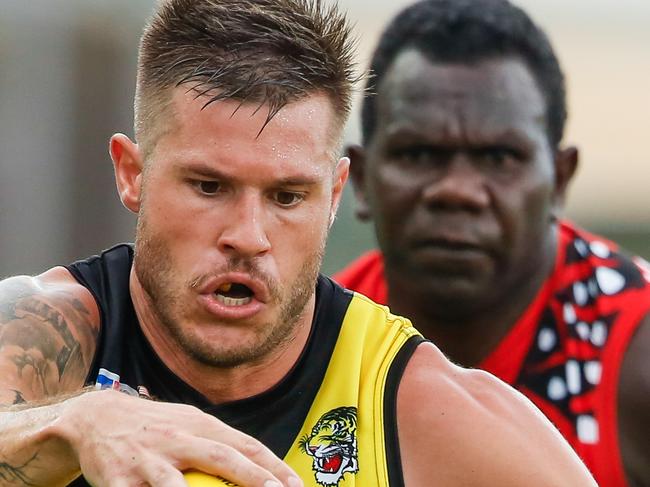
x=565 y=351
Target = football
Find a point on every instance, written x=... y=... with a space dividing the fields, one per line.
x=200 y=479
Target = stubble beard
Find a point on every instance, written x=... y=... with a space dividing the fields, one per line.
x=154 y=269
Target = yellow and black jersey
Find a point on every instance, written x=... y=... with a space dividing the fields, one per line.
x=332 y=418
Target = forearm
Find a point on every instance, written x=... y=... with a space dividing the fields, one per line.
x=138 y=442
x=33 y=451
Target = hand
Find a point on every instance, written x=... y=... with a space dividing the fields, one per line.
x=123 y=441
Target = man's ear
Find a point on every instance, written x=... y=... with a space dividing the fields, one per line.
x=566 y=164
x=127 y=162
x=340 y=177
x=357 y=155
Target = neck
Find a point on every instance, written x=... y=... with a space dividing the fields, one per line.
x=220 y=384
x=468 y=339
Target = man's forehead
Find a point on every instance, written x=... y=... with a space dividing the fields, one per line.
x=496 y=91
x=228 y=130
x=307 y=125
x=190 y=103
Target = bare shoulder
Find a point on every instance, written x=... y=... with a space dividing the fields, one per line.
x=465 y=427
x=48 y=331
x=634 y=406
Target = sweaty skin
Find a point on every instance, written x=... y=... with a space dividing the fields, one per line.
x=212 y=214
x=216 y=215
x=476 y=430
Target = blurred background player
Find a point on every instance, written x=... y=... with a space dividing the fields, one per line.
x=464 y=175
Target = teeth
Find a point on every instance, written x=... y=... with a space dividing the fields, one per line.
x=233 y=301
x=225 y=287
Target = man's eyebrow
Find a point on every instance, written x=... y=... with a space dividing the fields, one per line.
x=403 y=131
x=510 y=136
x=200 y=169
x=303 y=180
x=204 y=170
x=414 y=135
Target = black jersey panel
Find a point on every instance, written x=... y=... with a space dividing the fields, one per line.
x=393 y=458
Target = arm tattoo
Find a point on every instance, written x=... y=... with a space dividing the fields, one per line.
x=37 y=334
x=44 y=312
x=19 y=399
x=11 y=473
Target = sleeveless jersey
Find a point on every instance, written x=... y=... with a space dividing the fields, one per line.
x=565 y=351
x=332 y=418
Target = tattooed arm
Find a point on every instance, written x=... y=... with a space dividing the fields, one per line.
x=49 y=433
x=48 y=331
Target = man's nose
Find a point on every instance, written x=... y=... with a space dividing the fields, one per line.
x=460 y=186
x=244 y=230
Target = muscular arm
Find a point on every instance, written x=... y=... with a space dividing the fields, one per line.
x=462 y=427
x=48 y=330
x=49 y=427
x=634 y=408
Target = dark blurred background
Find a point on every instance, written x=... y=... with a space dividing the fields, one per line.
x=67 y=75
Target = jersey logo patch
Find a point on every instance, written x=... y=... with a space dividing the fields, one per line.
x=110 y=380
x=332 y=444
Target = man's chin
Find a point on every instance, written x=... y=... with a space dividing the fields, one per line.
x=227 y=345
x=456 y=297
x=452 y=266
x=222 y=355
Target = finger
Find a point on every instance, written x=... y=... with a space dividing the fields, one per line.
x=227 y=462
x=263 y=456
x=257 y=453
x=159 y=474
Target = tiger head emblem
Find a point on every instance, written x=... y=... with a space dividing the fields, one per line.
x=332 y=444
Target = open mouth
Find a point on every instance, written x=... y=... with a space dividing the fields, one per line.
x=234 y=294
x=330 y=464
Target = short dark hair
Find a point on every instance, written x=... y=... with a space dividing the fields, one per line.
x=467 y=31
x=260 y=51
